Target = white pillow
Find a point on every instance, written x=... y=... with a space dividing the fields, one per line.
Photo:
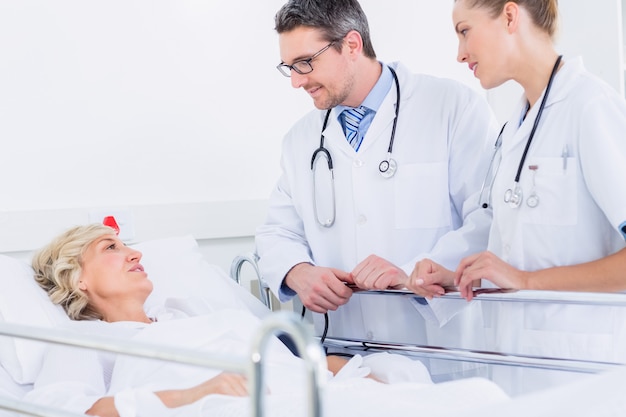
x=9 y=389
x=22 y=301
x=174 y=265
x=178 y=270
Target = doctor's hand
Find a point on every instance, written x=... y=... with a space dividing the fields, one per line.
x=486 y=265
x=376 y=273
x=320 y=289
x=428 y=279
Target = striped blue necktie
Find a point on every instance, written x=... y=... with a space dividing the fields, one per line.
x=353 y=118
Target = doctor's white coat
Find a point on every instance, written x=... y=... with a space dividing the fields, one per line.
x=579 y=155
x=428 y=209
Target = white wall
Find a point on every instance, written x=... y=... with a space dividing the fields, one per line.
x=138 y=104
x=591 y=29
x=160 y=101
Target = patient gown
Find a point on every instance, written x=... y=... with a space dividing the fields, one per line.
x=74 y=378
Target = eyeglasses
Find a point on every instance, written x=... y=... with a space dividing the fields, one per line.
x=303 y=66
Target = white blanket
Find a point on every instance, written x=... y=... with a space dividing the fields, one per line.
x=74 y=381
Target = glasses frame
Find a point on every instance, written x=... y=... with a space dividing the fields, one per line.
x=286 y=69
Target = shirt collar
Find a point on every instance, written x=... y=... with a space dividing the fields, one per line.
x=377 y=95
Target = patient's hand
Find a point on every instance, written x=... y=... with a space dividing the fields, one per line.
x=335 y=363
x=224 y=383
x=104 y=407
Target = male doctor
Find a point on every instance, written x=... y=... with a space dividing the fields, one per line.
x=360 y=224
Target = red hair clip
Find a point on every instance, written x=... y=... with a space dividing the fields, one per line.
x=110 y=221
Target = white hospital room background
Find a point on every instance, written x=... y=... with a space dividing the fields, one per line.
x=169 y=114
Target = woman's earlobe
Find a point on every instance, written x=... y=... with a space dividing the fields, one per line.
x=511 y=12
x=82 y=286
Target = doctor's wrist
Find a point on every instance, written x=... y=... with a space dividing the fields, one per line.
x=292 y=275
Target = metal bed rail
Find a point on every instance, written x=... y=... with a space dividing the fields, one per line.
x=235 y=273
x=464 y=355
x=489 y=357
x=290 y=324
x=452 y=293
x=457 y=354
x=525 y=296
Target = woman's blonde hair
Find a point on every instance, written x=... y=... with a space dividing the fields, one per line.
x=58 y=268
x=544 y=13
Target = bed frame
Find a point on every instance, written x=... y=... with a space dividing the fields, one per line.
x=458 y=353
x=252 y=366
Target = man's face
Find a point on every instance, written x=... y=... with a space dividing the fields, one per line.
x=330 y=83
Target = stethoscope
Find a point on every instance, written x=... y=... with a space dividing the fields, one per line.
x=484 y=198
x=387 y=166
x=514 y=196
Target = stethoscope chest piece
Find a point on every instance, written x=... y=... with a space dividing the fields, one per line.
x=388 y=167
x=513 y=197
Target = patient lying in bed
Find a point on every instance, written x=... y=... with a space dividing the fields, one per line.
x=103 y=287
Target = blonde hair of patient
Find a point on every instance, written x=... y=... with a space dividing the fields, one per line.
x=58 y=268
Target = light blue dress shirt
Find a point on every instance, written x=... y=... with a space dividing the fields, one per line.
x=372 y=103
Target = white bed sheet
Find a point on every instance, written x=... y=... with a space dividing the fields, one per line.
x=230 y=332
x=599 y=395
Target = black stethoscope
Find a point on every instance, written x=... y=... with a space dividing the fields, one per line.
x=514 y=196
x=387 y=167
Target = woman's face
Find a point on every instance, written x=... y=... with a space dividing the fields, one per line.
x=111 y=271
x=483 y=43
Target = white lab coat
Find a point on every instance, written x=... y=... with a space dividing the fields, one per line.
x=579 y=149
x=443 y=134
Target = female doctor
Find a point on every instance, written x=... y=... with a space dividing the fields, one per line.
x=557 y=192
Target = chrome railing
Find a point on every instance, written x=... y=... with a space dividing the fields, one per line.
x=302 y=336
x=481 y=294
x=526 y=296
x=235 y=274
x=463 y=355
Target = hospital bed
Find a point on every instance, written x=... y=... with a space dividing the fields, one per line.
x=21 y=357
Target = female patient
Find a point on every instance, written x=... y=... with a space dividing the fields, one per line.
x=102 y=286
x=94 y=276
